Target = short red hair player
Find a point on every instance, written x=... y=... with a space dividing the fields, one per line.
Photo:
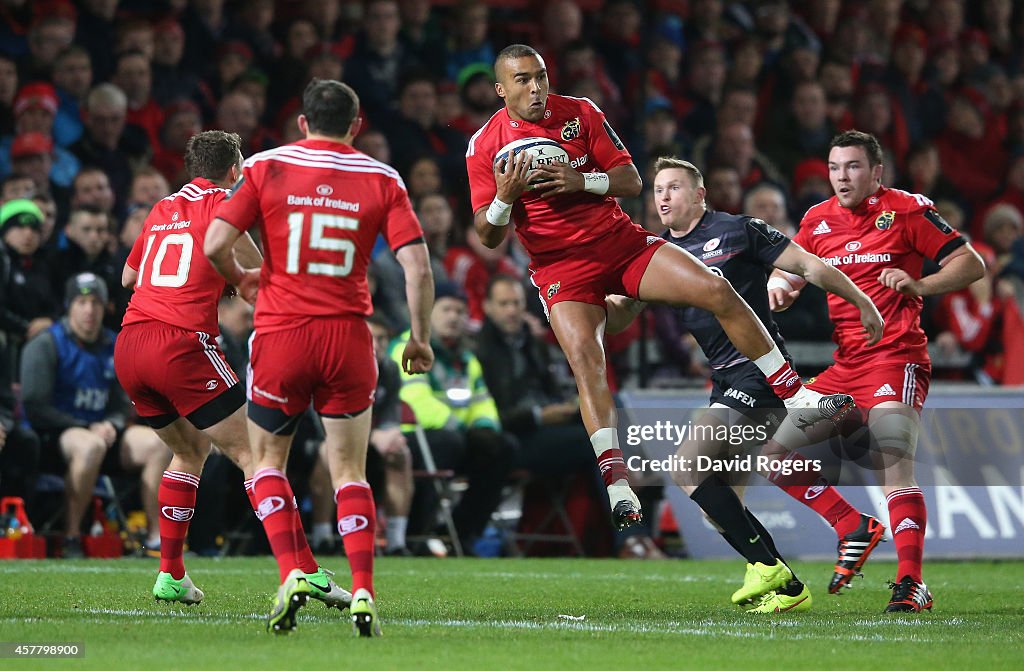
x=880 y=238
x=320 y=205
x=583 y=247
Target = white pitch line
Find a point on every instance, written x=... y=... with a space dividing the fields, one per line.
x=705 y=628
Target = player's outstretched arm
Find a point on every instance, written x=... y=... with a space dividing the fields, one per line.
x=419 y=293
x=557 y=178
x=962 y=267
x=622 y=310
x=795 y=259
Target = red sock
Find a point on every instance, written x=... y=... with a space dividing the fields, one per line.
x=612 y=465
x=785 y=381
x=305 y=556
x=177 y=499
x=277 y=511
x=908 y=519
x=357 y=519
x=810 y=488
x=253 y=503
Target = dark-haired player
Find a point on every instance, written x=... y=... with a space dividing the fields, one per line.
x=320 y=205
x=583 y=247
x=168 y=360
x=880 y=238
x=743 y=250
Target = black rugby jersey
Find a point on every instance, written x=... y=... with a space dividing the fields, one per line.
x=742 y=249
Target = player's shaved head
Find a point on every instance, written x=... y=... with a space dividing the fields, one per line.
x=212 y=153
x=514 y=51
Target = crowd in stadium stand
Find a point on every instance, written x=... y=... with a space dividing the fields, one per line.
x=98 y=98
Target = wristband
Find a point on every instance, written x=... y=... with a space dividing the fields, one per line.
x=596 y=183
x=499 y=212
x=779 y=283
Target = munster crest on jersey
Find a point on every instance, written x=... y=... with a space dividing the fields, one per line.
x=571 y=129
x=885 y=219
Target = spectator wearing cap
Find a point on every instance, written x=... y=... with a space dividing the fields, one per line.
x=109 y=142
x=477 y=98
x=72 y=79
x=134 y=75
x=805 y=131
x=74 y=402
x=32 y=155
x=35 y=108
x=87 y=250
x=456 y=410
x=27 y=304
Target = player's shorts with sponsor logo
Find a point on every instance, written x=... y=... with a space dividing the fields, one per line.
x=612 y=264
x=169 y=372
x=326 y=360
x=743 y=387
x=874 y=383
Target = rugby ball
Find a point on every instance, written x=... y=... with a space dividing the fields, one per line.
x=542 y=150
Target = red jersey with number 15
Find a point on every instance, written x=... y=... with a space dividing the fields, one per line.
x=890 y=229
x=550 y=227
x=176 y=284
x=320 y=206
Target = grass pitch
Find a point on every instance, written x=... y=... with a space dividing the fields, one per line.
x=510 y=614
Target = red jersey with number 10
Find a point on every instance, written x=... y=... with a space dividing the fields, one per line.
x=551 y=227
x=176 y=284
x=320 y=206
x=891 y=229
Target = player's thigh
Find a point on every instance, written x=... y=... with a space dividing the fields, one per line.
x=345 y=444
x=893 y=428
x=579 y=328
x=231 y=436
x=676 y=277
x=184 y=440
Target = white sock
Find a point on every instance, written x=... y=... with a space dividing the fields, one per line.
x=604 y=440
x=395 y=531
x=322 y=531
x=771 y=362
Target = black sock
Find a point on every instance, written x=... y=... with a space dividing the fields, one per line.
x=770 y=542
x=718 y=500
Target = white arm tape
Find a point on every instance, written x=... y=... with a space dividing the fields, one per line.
x=596 y=182
x=779 y=283
x=499 y=212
